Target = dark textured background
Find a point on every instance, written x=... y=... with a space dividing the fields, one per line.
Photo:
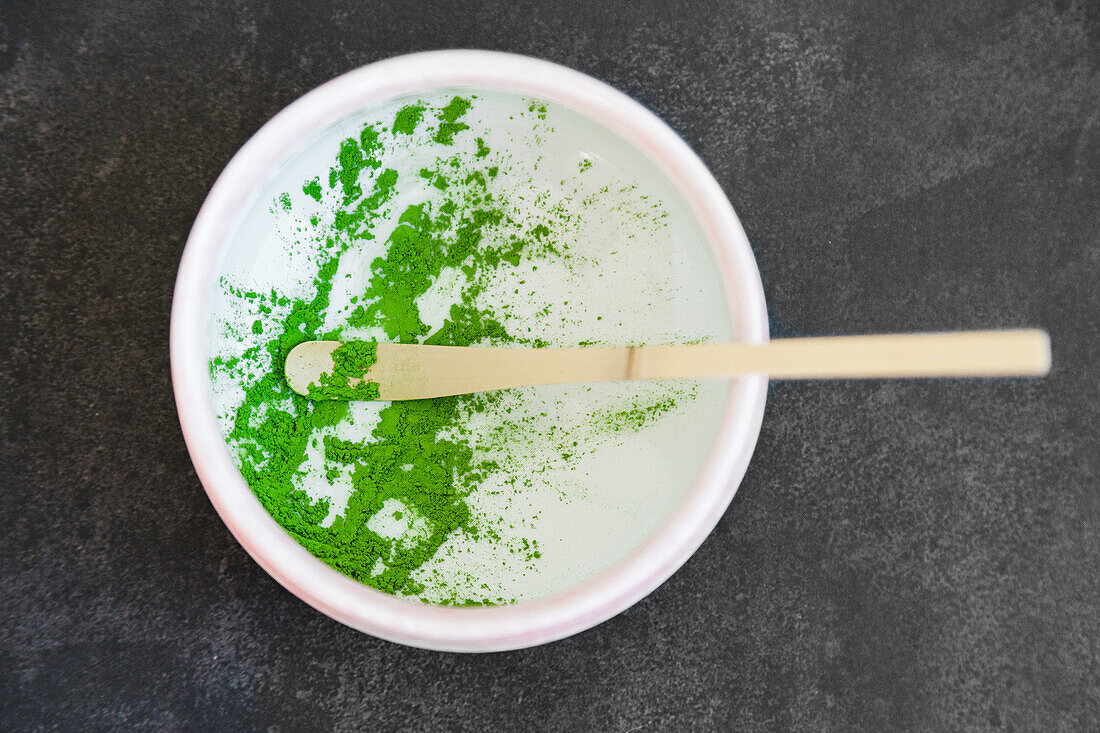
x=900 y=555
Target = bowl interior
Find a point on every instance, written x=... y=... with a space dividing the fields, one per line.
x=604 y=250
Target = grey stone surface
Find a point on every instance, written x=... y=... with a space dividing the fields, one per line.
x=901 y=556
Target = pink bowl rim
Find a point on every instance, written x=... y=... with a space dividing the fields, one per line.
x=480 y=629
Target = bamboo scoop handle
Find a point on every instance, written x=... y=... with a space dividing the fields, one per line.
x=409 y=371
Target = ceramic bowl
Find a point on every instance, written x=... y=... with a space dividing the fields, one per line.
x=479 y=629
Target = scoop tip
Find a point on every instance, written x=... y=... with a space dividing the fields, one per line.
x=305 y=362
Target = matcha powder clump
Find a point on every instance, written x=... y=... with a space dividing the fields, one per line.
x=350 y=361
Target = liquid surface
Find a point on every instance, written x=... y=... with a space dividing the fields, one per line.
x=467 y=218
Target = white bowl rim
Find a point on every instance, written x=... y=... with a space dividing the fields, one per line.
x=474 y=629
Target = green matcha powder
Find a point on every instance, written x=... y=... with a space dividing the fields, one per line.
x=417 y=454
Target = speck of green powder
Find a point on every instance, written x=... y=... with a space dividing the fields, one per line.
x=408 y=117
x=313 y=189
x=448 y=120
